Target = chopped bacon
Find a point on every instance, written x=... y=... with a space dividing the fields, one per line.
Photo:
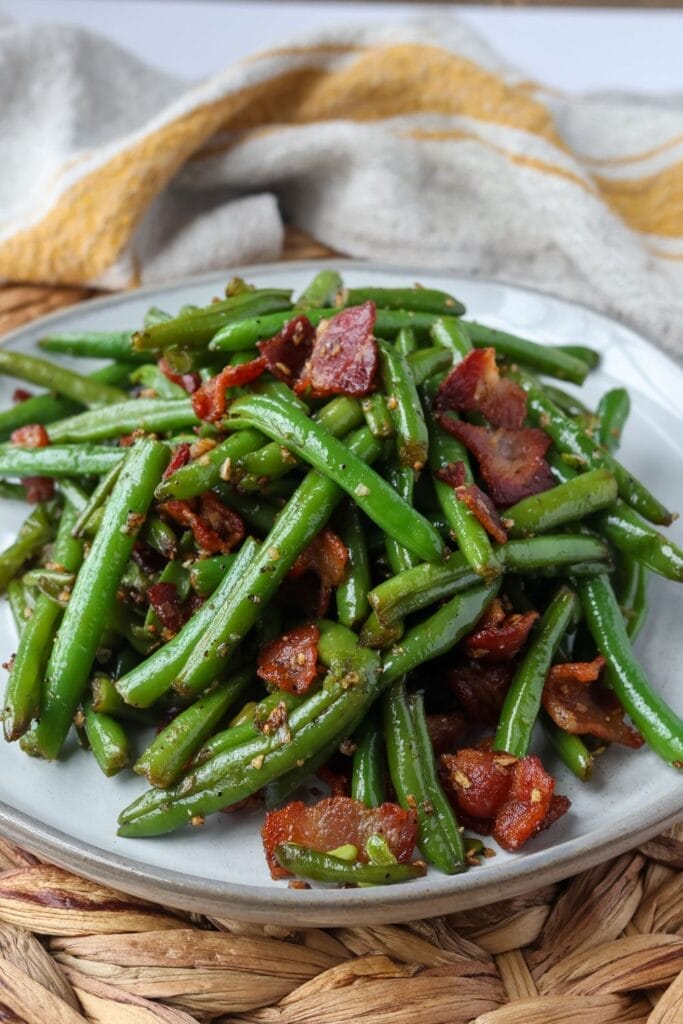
x=326 y=556
x=528 y=803
x=149 y=560
x=483 y=508
x=481 y=687
x=34 y=435
x=163 y=598
x=291 y=662
x=21 y=395
x=344 y=357
x=209 y=401
x=336 y=821
x=287 y=351
x=39 y=488
x=180 y=458
x=579 y=704
x=512 y=798
x=216 y=528
x=453 y=473
x=499 y=636
x=475 y=385
x=337 y=781
x=511 y=462
x=189 y=382
x=445 y=729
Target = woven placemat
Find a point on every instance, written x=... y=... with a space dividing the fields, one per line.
x=605 y=947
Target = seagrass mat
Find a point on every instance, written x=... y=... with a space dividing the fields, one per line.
x=605 y=947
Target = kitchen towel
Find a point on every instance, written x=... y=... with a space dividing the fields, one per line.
x=412 y=143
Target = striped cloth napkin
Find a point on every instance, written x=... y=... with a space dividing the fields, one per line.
x=413 y=143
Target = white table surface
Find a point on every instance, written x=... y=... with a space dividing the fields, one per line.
x=572 y=49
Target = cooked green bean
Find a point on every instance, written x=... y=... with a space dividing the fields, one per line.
x=34 y=532
x=12 y=492
x=107 y=739
x=406 y=342
x=571 y=749
x=324 y=867
x=203 y=473
x=322 y=291
x=587 y=355
x=402 y=479
x=566 y=503
x=418 y=300
x=551 y=360
x=613 y=410
x=20 y=604
x=84 y=390
x=367 y=773
x=377 y=415
x=412 y=439
x=97 y=499
x=426 y=362
x=152 y=415
x=58 y=460
x=452 y=335
x=96 y=345
x=352 y=593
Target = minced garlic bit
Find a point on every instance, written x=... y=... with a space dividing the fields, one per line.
x=462 y=780
x=392 y=402
x=257 y=763
x=226 y=469
x=273 y=554
x=362 y=491
x=536 y=796
x=197 y=820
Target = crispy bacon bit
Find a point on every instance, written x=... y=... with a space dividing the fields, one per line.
x=578 y=703
x=163 y=598
x=189 y=382
x=344 y=357
x=483 y=508
x=216 y=528
x=34 y=435
x=337 y=781
x=287 y=351
x=21 y=395
x=149 y=560
x=528 y=803
x=453 y=473
x=326 y=556
x=475 y=385
x=511 y=462
x=209 y=402
x=336 y=821
x=39 y=488
x=180 y=458
x=512 y=798
x=445 y=729
x=481 y=687
x=291 y=662
x=498 y=636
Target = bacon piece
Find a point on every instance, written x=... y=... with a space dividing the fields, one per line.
x=163 y=598
x=287 y=351
x=453 y=474
x=511 y=462
x=326 y=556
x=209 y=401
x=33 y=435
x=189 y=382
x=337 y=781
x=336 y=821
x=483 y=508
x=180 y=458
x=527 y=804
x=577 y=702
x=445 y=729
x=291 y=662
x=481 y=687
x=498 y=636
x=21 y=395
x=478 y=780
x=216 y=528
x=39 y=488
x=475 y=385
x=344 y=357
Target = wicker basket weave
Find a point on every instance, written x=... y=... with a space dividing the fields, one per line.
x=606 y=947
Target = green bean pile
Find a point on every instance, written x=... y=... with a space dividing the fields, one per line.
x=95 y=652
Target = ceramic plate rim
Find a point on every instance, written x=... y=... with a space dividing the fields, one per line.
x=324 y=907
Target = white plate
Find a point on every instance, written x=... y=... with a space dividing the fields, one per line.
x=67 y=811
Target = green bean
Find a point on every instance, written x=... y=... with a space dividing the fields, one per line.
x=569 y=404
x=452 y=335
x=377 y=415
x=22 y=697
x=150 y=377
x=246 y=729
x=176 y=573
x=661 y=727
x=197 y=327
x=471 y=536
x=303 y=517
x=94 y=594
x=322 y=450
x=258 y=514
x=411 y=779
x=12 y=492
x=58 y=460
x=21 y=604
x=324 y=867
x=105 y=700
x=613 y=410
x=56 y=585
x=402 y=479
x=149 y=414
x=636 y=612
x=84 y=390
x=377 y=634
x=207 y=573
x=566 y=503
x=95 y=345
x=406 y=342
x=107 y=740
x=352 y=593
x=418 y=299
x=98 y=498
x=163 y=762
x=426 y=362
x=144 y=684
x=367 y=773
x=160 y=537
x=523 y=699
x=35 y=532
x=412 y=439
x=548 y=359
x=322 y=291
x=155 y=315
x=589 y=356
x=203 y=473
x=568 y=437
x=570 y=748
